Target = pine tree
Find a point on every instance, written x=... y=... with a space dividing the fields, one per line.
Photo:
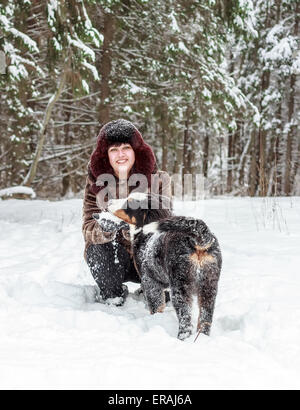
x=17 y=89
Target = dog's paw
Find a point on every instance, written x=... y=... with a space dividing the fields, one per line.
x=204 y=328
x=184 y=334
x=158 y=309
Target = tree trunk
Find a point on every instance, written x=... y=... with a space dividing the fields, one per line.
x=205 y=155
x=253 y=177
x=41 y=139
x=178 y=153
x=230 y=163
x=262 y=137
x=221 y=165
x=165 y=136
x=297 y=161
x=288 y=183
x=230 y=147
x=104 y=68
x=262 y=163
x=277 y=180
x=187 y=146
x=66 y=180
x=244 y=155
x=289 y=142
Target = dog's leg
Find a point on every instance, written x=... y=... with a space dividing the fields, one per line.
x=154 y=294
x=207 y=292
x=181 y=296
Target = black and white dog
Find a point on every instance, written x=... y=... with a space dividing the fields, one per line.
x=173 y=252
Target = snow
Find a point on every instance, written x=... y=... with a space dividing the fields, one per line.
x=97 y=37
x=107 y=216
x=174 y=23
x=56 y=44
x=182 y=47
x=7 y=25
x=134 y=89
x=87 y=51
x=17 y=190
x=206 y=93
x=4 y=20
x=85 y=86
x=52 y=7
x=53 y=335
x=283 y=49
x=31 y=44
x=296 y=63
x=92 y=69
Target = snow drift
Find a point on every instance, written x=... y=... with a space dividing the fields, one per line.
x=53 y=334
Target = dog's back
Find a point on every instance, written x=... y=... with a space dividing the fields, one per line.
x=183 y=254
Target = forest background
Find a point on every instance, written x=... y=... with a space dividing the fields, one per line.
x=213 y=85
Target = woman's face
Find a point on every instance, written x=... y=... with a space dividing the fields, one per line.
x=121 y=158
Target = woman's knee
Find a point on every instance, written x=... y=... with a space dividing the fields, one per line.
x=108 y=255
x=109 y=265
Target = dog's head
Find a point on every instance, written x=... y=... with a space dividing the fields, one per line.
x=140 y=209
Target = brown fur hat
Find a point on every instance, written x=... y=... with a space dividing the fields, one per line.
x=116 y=132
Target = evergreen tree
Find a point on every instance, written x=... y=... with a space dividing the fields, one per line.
x=41 y=67
x=266 y=76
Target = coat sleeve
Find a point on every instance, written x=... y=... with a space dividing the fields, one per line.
x=92 y=232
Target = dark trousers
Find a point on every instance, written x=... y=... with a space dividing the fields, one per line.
x=111 y=265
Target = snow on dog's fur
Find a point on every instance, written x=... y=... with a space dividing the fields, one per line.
x=173 y=252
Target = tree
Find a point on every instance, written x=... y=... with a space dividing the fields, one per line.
x=266 y=72
x=67 y=31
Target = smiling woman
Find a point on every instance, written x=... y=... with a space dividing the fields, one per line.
x=121 y=159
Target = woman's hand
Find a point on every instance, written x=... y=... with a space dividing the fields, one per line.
x=99 y=236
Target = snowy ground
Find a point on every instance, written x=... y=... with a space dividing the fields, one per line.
x=53 y=335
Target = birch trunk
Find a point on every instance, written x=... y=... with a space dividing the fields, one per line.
x=41 y=139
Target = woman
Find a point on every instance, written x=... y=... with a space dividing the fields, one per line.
x=120 y=159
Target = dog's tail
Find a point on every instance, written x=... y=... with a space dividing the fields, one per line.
x=195 y=228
